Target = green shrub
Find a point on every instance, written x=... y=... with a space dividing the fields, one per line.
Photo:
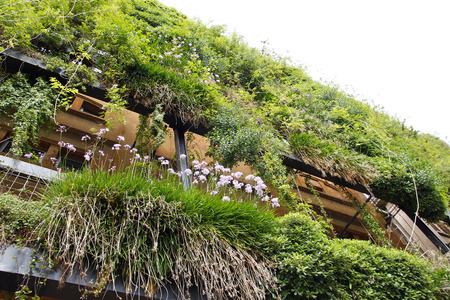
x=312 y=266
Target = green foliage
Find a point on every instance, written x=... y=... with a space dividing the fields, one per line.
x=19 y=218
x=234 y=139
x=151 y=132
x=311 y=266
x=193 y=70
x=30 y=107
x=154 y=231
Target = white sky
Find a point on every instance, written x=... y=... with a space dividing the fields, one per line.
x=395 y=54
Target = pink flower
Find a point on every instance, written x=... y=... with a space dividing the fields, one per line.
x=53 y=159
x=102 y=131
x=205 y=171
x=248 y=188
x=61 y=128
x=120 y=138
x=113 y=168
x=85 y=138
x=88 y=155
x=188 y=172
x=61 y=144
x=249 y=177
x=101 y=152
x=161 y=158
x=202 y=178
x=214 y=192
x=116 y=147
x=165 y=162
x=70 y=147
x=28 y=155
x=127 y=146
x=183 y=156
x=226 y=198
x=237 y=174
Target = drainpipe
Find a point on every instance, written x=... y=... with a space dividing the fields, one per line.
x=180 y=149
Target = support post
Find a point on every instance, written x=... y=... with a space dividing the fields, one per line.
x=353 y=218
x=180 y=149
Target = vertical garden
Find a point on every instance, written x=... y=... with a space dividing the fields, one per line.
x=258 y=108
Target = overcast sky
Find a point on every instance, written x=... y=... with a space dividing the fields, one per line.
x=395 y=54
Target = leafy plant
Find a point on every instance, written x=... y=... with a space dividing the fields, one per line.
x=30 y=107
x=311 y=266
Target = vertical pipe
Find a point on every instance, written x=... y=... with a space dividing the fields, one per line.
x=180 y=149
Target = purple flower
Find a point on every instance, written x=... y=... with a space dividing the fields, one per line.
x=133 y=150
x=113 y=168
x=85 y=138
x=248 y=188
x=137 y=156
x=249 y=177
x=71 y=147
x=101 y=152
x=218 y=167
x=28 y=155
x=127 y=146
x=170 y=170
x=120 y=138
x=214 y=192
x=275 y=202
x=202 y=178
x=195 y=162
x=226 y=198
x=265 y=198
x=183 y=156
x=205 y=171
x=61 y=128
x=116 y=147
x=165 y=162
x=61 y=144
x=102 y=131
x=237 y=174
x=188 y=172
x=161 y=158
x=53 y=159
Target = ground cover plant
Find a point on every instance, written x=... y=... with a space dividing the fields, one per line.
x=153 y=232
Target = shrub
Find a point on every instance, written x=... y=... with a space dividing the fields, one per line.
x=310 y=266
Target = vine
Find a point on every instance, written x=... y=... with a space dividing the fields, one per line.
x=30 y=107
x=373 y=227
x=151 y=131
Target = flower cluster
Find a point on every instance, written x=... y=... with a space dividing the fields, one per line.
x=220 y=180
